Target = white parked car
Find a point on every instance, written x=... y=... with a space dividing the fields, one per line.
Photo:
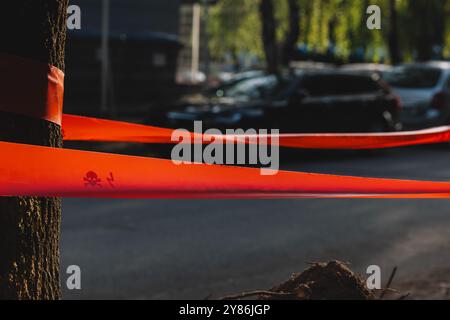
x=424 y=89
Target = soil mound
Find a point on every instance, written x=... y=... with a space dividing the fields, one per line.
x=325 y=281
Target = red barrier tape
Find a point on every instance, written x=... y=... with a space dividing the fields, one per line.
x=27 y=170
x=78 y=128
x=70 y=173
x=31 y=88
x=43 y=85
x=91 y=129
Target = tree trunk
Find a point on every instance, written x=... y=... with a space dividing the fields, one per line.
x=293 y=33
x=364 y=35
x=269 y=35
x=426 y=35
x=394 y=48
x=30 y=226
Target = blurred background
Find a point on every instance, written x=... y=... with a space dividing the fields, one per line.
x=132 y=56
x=295 y=65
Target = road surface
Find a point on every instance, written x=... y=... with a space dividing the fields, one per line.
x=176 y=249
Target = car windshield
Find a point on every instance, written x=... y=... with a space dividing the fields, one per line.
x=413 y=77
x=255 y=88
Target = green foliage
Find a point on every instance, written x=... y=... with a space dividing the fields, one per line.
x=235 y=26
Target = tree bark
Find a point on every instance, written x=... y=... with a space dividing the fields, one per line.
x=293 y=33
x=30 y=226
x=394 y=48
x=269 y=35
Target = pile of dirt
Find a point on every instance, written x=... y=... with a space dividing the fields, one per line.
x=325 y=281
x=321 y=281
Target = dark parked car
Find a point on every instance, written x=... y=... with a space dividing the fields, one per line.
x=326 y=101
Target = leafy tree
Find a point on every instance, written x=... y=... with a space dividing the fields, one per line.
x=411 y=29
x=234 y=27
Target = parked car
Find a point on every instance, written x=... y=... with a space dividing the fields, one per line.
x=311 y=66
x=424 y=89
x=325 y=101
x=367 y=68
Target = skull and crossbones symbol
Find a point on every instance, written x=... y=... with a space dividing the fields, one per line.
x=92 y=180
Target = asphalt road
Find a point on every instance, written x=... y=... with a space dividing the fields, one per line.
x=161 y=249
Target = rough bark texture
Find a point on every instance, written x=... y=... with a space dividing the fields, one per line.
x=269 y=35
x=30 y=226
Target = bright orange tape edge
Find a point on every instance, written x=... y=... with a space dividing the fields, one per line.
x=132 y=177
x=27 y=170
x=79 y=128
